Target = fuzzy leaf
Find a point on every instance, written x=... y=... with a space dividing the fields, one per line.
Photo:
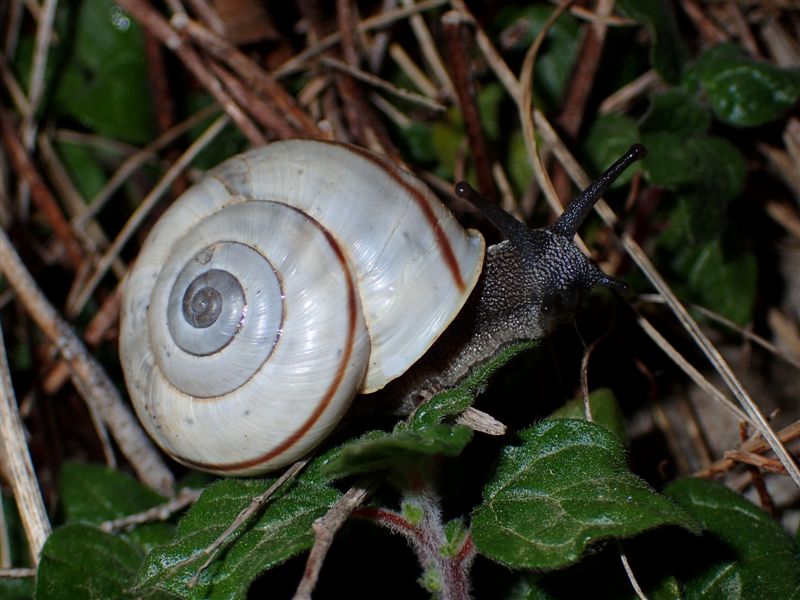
x=763 y=563
x=281 y=531
x=20 y=588
x=80 y=561
x=424 y=434
x=743 y=91
x=95 y=493
x=605 y=411
x=565 y=488
x=455 y=401
x=379 y=450
x=676 y=112
x=668 y=53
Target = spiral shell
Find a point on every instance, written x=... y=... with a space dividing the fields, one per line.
x=289 y=279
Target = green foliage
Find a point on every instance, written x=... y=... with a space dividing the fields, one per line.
x=80 y=561
x=605 y=411
x=16 y=589
x=455 y=401
x=425 y=434
x=378 y=450
x=95 y=493
x=15 y=551
x=104 y=85
x=676 y=112
x=565 y=488
x=703 y=175
x=704 y=172
x=83 y=167
x=609 y=138
x=558 y=54
x=564 y=491
x=742 y=91
x=757 y=558
x=279 y=532
x=668 y=53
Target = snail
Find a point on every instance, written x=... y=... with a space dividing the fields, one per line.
x=297 y=275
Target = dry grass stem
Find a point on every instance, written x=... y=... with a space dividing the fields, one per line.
x=144 y=208
x=477 y=420
x=256 y=504
x=88 y=376
x=137 y=160
x=629 y=572
x=745 y=333
x=44 y=32
x=382 y=84
x=690 y=370
x=325 y=529
x=17 y=465
x=185 y=497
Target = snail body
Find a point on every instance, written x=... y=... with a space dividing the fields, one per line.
x=299 y=274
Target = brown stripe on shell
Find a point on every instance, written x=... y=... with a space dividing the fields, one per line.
x=352 y=308
x=448 y=255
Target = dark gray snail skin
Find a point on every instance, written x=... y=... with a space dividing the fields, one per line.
x=530 y=282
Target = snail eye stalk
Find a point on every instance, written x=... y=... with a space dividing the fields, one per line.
x=572 y=217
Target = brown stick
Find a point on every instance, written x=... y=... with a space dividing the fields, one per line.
x=42 y=196
x=580 y=87
x=88 y=376
x=325 y=529
x=18 y=465
x=249 y=71
x=459 y=46
x=158 y=26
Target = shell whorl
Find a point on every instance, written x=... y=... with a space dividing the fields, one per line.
x=286 y=280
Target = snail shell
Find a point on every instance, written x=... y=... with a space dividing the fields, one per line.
x=286 y=281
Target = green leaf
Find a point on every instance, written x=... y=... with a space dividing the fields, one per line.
x=518 y=163
x=489 y=100
x=16 y=588
x=104 y=83
x=80 y=561
x=15 y=548
x=85 y=171
x=725 y=284
x=609 y=138
x=527 y=588
x=605 y=411
x=455 y=535
x=763 y=563
x=227 y=143
x=416 y=139
x=668 y=54
x=676 y=112
x=455 y=401
x=704 y=172
x=424 y=435
x=566 y=487
x=743 y=91
x=557 y=56
x=280 y=532
x=95 y=493
x=378 y=450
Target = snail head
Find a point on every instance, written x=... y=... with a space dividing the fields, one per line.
x=558 y=272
